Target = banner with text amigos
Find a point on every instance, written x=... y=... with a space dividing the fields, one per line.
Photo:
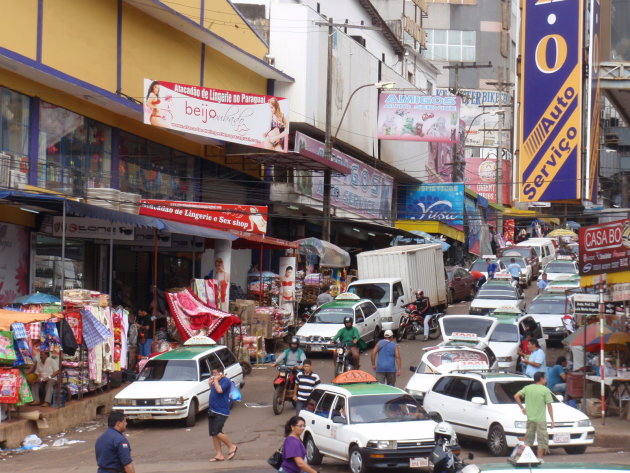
x=247 y=218
x=551 y=101
x=249 y=119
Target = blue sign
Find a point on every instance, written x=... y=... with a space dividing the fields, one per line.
x=441 y=202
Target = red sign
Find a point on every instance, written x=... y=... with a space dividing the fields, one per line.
x=605 y=248
x=247 y=218
x=480 y=176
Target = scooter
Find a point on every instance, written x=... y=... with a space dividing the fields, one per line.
x=343 y=359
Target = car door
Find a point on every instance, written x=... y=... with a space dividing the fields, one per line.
x=370 y=313
x=360 y=323
x=474 y=422
x=340 y=432
x=321 y=423
x=231 y=366
x=448 y=399
x=398 y=293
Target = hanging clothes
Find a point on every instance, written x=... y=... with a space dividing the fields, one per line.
x=69 y=343
x=49 y=340
x=76 y=324
x=94 y=332
x=23 y=353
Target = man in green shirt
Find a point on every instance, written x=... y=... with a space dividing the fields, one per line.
x=349 y=336
x=537 y=395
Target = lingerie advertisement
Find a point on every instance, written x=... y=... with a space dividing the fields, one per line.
x=287 y=281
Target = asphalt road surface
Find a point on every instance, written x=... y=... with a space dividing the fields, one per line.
x=167 y=446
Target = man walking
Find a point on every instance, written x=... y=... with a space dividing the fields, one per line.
x=542 y=283
x=218 y=412
x=305 y=382
x=386 y=359
x=537 y=396
x=492 y=268
x=113 y=453
x=515 y=270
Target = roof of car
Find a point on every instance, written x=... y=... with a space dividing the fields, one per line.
x=362 y=389
x=494 y=375
x=343 y=303
x=186 y=353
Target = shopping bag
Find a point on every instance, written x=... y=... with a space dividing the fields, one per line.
x=235 y=393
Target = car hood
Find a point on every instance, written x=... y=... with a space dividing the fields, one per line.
x=548 y=320
x=158 y=389
x=411 y=430
x=562 y=413
x=322 y=330
x=422 y=382
x=503 y=349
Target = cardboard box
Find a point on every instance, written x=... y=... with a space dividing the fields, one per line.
x=593 y=407
x=261 y=324
x=245 y=310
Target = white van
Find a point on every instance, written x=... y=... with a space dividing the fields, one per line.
x=543 y=246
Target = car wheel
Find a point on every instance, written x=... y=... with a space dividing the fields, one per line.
x=191 y=418
x=247 y=367
x=356 y=463
x=400 y=334
x=497 y=442
x=578 y=449
x=377 y=335
x=278 y=400
x=313 y=457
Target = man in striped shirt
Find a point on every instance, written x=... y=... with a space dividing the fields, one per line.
x=305 y=382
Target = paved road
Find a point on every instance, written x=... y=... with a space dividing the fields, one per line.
x=167 y=446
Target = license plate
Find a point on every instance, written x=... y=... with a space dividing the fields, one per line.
x=145 y=417
x=418 y=462
x=314 y=347
x=561 y=438
x=322 y=348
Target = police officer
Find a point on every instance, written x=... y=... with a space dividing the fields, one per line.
x=113 y=453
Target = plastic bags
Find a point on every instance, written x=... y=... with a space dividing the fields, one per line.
x=235 y=393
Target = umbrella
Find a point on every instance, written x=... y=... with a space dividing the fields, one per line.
x=329 y=255
x=576 y=339
x=562 y=232
x=37 y=298
x=573 y=225
x=617 y=341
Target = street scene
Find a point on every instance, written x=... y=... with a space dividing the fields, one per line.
x=315 y=236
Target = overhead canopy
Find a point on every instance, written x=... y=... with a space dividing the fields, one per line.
x=419 y=237
x=329 y=255
x=304 y=160
x=431 y=226
x=8 y=317
x=248 y=240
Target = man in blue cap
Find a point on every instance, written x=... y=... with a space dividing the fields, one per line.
x=113 y=452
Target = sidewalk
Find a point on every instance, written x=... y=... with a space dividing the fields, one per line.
x=615 y=434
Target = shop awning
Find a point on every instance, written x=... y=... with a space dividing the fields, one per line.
x=431 y=226
x=8 y=317
x=304 y=160
x=329 y=255
x=247 y=240
x=196 y=230
x=522 y=213
x=611 y=278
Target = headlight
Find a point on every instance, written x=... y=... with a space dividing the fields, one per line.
x=123 y=402
x=170 y=401
x=339 y=351
x=415 y=393
x=504 y=358
x=382 y=444
x=520 y=425
x=584 y=423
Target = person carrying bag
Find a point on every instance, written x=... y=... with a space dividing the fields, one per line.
x=293 y=451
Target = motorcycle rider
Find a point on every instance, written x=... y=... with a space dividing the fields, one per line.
x=351 y=337
x=292 y=357
x=423 y=306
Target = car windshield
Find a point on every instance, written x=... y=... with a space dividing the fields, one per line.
x=547 y=306
x=169 y=370
x=479 y=265
x=377 y=293
x=522 y=252
x=503 y=392
x=495 y=293
x=560 y=268
x=470 y=325
x=505 y=333
x=373 y=409
x=520 y=261
x=331 y=315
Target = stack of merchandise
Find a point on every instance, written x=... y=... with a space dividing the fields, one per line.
x=299 y=285
x=255 y=347
x=312 y=288
x=14 y=388
x=75 y=373
x=280 y=321
x=270 y=287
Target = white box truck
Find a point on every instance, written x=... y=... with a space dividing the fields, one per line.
x=391 y=276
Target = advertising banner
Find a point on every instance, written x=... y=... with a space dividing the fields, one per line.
x=594 y=102
x=14 y=262
x=473 y=220
x=605 y=248
x=551 y=101
x=83 y=227
x=414 y=117
x=480 y=176
x=247 y=218
x=249 y=119
x=287 y=280
x=221 y=272
x=440 y=202
x=365 y=191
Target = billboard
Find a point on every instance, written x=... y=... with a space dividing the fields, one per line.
x=440 y=202
x=247 y=218
x=550 y=134
x=480 y=176
x=605 y=248
x=594 y=102
x=249 y=119
x=414 y=117
x=365 y=191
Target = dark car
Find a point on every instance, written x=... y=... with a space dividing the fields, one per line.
x=461 y=284
x=527 y=252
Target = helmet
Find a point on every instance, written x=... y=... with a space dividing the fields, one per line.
x=347 y=319
x=419 y=293
x=294 y=341
x=446 y=431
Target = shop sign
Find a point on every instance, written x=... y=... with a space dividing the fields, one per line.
x=92 y=228
x=249 y=119
x=439 y=202
x=620 y=292
x=14 y=262
x=415 y=117
x=365 y=191
x=605 y=248
x=586 y=304
x=551 y=115
x=247 y=218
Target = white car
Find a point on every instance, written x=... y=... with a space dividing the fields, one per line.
x=174 y=385
x=548 y=310
x=324 y=323
x=563 y=284
x=368 y=425
x=560 y=268
x=526 y=269
x=496 y=294
x=439 y=360
x=482 y=406
x=481 y=265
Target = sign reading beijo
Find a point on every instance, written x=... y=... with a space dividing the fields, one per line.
x=551 y=125
x=441 y=202
x=413 y=117
x=249 y=119
x=605 y=248
x=246 y=218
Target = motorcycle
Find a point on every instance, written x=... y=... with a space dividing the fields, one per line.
x=412 y=324
x=445 y=455
x=307 y=312
x=284 y=388
x=343 y=359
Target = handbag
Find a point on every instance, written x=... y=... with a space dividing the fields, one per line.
x=275 y=459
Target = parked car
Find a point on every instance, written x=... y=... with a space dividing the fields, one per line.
x=563 y=284
x=560 y=268
x=481 y=265
x=324 y=323
x=505 y=339
x=548 y=310
x=174 y=385
x=482 y=406
x=544 y=248
x=527 y=252
x=526 y=269
x=496 y=294
x=369 y=425
x=461 y=284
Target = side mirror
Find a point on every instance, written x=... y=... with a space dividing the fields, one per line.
x=478 y=400
x=435 y=417
x=413 y=368
x=339 y=420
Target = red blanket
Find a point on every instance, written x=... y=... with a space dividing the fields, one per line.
x=193 y=317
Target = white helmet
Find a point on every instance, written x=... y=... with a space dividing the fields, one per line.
x=445 y=430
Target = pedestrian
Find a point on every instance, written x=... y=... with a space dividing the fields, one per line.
x=557 y=376
x=46 y=371
x=218 y=412
x=145 y=334
x=132 y=343
x=113 y=452
x=386 y=359
x=305 y=382
x=515 y=270
x=537 y=396
x=293 y=449
x=479 y=278
x=492 y=268
x=325 y=296
x=536 y=361
x=542 y=283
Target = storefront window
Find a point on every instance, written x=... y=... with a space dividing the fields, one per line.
x=14 y=137
x=49 y=265
x=74 y=151
x=153 y=170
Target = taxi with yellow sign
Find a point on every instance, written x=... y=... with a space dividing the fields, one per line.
x=367 y=424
